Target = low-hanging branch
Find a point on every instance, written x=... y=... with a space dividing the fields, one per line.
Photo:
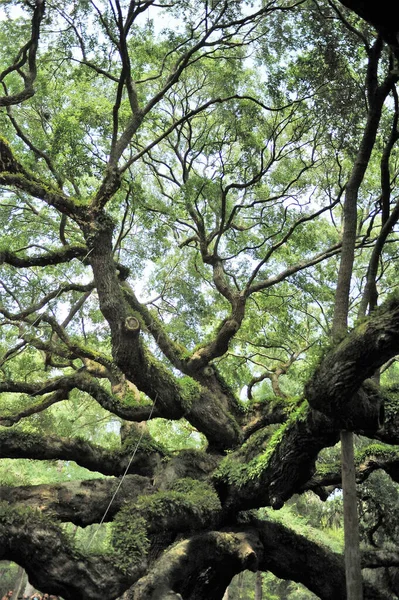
x=18 y=444
x=80 y=502
x=367 y=461
x=272 y=476
x=205 y=564
x=52 y=562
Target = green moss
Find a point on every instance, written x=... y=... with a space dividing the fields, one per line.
x=184 y=353
x=190 y=391
x=129 y=539
x=24 y=439
x=189 y=504
x=10 y=515
x=234 y=467
x=129 y=399
x=231 y=471
x=188 y=499
x=186 y=390
x=27 y=179
x=253 y=458
x=382 y=451
x=159 y=371
x=291 y=405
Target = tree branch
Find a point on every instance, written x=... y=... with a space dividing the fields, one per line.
x=27 y=54
x=17 y=444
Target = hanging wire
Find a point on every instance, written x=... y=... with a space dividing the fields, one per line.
x=122 y=478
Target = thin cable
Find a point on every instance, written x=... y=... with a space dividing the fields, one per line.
x=122 y=478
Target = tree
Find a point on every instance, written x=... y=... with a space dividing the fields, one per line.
x=180 y=184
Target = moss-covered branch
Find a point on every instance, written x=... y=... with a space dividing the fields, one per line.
x=335 y=386
x=173 y=351
x=53 y=564
x=173 y=397
x=124 y=402
x=19 y=178
x=53 y=257
x=389 y=433
x=199 y=566
x=18 y=444
x=278 y=461
x=370 y=459
x=203 y=565
x=275 y=463
x=79 y=502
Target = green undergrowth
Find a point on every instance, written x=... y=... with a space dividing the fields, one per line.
x=391 y=402
x=329 y=537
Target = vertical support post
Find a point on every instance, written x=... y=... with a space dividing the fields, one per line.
x=354 y=588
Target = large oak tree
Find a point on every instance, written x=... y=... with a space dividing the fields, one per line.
x=181 y=183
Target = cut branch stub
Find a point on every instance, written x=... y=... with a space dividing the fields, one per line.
x=132 y=325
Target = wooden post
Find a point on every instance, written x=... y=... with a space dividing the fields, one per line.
x=354 y=588
x=258 y=586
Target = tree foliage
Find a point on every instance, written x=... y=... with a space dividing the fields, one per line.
x=180 y=185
